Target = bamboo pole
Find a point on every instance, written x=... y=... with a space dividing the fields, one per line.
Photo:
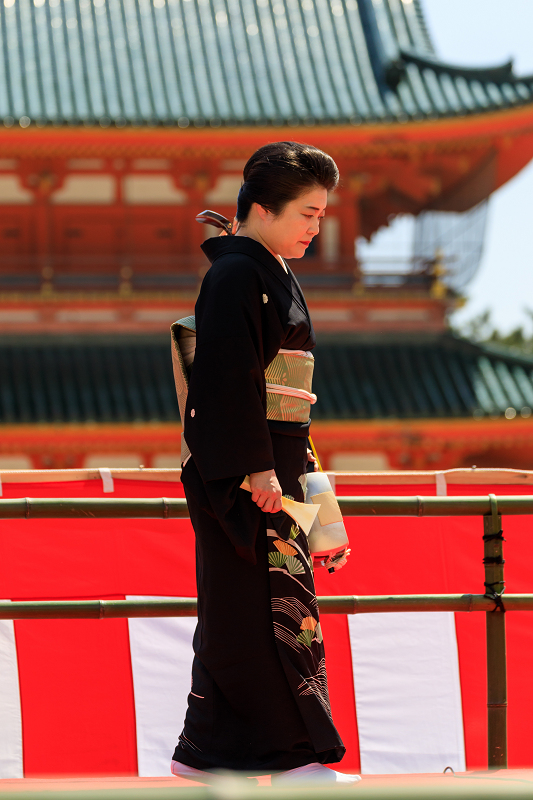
x=176 y=507
x=375 y=604
x=433 y=506
x=186 y=607
x=94 y=508
x=496 y=645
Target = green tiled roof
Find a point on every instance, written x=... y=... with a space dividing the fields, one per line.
x=446 y=378
x=221 y=62
x=132 y=381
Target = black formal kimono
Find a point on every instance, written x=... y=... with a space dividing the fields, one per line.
x=259 y=698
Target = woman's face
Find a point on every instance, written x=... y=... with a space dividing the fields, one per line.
x=290 y=233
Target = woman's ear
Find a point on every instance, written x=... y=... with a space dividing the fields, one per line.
x=263 y=213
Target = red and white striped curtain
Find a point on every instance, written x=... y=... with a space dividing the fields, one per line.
x=107 y=697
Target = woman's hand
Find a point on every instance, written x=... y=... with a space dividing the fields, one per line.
x=266 y=491
x=310 y=457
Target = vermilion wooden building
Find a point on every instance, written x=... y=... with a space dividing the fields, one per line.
x=124 y=118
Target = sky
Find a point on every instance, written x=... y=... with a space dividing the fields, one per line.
x=484 y=33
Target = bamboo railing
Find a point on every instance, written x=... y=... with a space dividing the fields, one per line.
x=489 y=507
x=176 y=507
x=186 y=606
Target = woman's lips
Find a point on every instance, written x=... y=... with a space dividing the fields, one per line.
x=306 y=243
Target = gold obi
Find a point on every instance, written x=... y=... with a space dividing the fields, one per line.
x=288 y=378
x=288 y=383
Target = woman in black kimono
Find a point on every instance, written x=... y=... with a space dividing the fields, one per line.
x=259 y=699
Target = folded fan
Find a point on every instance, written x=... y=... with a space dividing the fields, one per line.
x=300 y=512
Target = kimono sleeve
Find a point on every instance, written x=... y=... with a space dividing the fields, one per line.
x=225 y=422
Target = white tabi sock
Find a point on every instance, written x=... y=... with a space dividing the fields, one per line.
x=219 y=777
x=183 y=771
x=312 y=774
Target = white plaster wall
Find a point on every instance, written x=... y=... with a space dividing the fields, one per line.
x=12 y=191
x=86 y=190
x=152 y=190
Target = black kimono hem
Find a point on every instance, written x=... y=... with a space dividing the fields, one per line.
x=279 y=763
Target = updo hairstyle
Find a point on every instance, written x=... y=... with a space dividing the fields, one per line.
x=280 y=172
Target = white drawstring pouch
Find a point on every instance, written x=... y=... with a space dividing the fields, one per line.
x=328 y=540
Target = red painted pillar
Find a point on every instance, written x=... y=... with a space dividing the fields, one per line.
x=349 y=215
x=196 y=180
x=42 y=179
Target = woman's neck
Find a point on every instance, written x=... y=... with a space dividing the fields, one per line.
x=251 y=233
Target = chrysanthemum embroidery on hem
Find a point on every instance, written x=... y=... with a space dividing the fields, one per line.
x=295 y=530
x=295 y=566
x=277 y=560
x=265 y=298
x=285 y=548
x=285 y=551
x=287 y=556
x=307 y=633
